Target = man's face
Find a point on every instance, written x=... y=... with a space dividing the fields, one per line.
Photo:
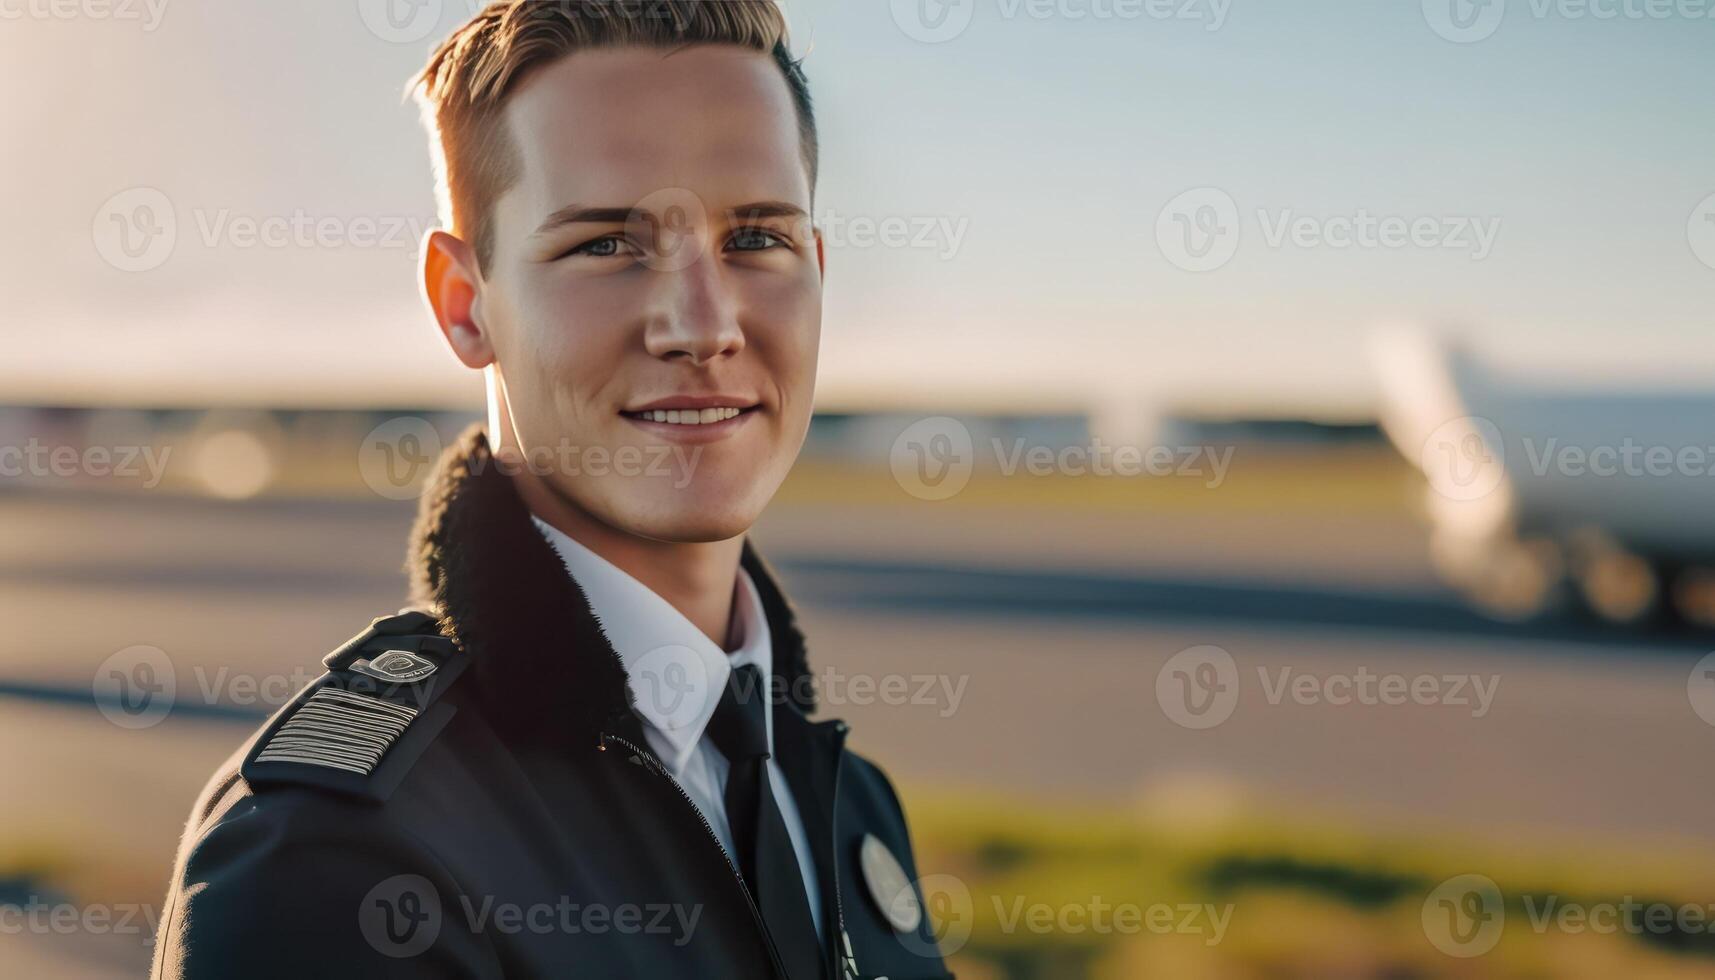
x=656 y=256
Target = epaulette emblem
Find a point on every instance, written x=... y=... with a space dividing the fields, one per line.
x=360 y=727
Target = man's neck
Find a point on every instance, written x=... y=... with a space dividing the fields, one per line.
x=696 y=578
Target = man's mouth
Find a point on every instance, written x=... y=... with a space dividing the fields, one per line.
x=688 y=416
x=693 y=410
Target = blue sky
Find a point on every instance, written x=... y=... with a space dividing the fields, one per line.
x=1044 y=141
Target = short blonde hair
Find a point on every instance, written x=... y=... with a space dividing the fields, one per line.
x=464 y=87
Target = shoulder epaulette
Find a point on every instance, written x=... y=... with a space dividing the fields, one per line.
x=359 y=727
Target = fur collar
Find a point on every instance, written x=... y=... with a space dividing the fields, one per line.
x=542 y=665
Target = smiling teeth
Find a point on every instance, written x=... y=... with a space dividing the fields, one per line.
x=691 y=416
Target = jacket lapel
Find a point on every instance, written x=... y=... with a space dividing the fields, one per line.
x=541 y=665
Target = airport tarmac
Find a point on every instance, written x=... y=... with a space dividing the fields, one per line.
x=991 y=648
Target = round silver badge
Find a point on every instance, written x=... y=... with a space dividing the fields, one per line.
x=888 y=885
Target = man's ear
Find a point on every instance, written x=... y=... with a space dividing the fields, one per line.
x=821 y=257
x=453 y=286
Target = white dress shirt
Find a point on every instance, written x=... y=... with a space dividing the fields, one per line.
x=677 y=675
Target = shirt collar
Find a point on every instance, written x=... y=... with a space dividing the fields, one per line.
x=675 y=672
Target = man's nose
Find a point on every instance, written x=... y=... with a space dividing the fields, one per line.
x=694 y=314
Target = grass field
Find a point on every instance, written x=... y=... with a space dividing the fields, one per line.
x=1031 y=891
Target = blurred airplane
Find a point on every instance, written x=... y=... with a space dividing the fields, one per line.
x=1549 y=500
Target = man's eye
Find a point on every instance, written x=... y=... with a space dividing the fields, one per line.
x=757 y=240
x=600 y=248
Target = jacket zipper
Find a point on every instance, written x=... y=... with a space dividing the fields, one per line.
x=848 y=968
x=652 y=765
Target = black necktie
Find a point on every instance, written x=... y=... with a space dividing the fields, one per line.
x=765 y=855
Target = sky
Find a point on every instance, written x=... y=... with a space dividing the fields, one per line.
x=1172 y=204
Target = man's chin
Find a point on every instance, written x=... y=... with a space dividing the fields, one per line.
x=698 y=524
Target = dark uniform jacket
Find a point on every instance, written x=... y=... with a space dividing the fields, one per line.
x=467 y=793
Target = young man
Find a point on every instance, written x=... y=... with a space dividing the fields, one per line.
x=565 y=759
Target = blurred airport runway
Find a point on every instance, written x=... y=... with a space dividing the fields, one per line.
x=1031 y=641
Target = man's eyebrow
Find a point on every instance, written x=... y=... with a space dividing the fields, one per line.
x=768 y=209
x=579 y=214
